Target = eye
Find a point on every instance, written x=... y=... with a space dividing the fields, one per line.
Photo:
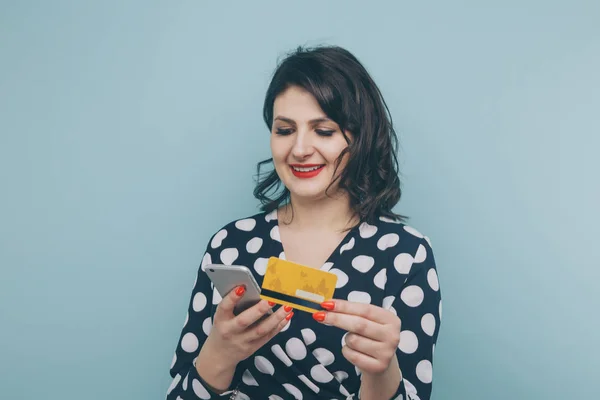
x=283 y=132
x=322 y=132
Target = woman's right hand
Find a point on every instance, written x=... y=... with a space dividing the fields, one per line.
x=234 y=338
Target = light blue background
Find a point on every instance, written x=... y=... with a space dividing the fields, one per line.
x=129 y=132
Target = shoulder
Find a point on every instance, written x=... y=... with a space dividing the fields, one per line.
x=395 y=237
x=234 y=232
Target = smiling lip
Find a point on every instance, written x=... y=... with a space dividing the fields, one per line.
x=306 y=174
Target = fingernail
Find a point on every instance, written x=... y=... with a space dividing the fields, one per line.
x=289 y=316
x=271 y=303
x=240 y=290
x=319 y=316
x=328 y=305
x=287 y=308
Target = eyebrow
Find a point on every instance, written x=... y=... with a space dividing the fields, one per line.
x=311 y=122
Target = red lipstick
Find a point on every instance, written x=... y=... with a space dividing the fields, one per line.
x=314 y=170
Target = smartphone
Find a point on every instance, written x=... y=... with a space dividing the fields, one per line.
x=228 y=277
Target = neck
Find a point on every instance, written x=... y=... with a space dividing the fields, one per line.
x=329 y=213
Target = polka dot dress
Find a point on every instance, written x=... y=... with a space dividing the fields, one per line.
x=387 y=264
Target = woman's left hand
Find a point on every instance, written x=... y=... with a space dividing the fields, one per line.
x=373 y=333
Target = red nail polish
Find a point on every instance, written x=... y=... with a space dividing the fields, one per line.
x=319 y=316
x=271 y=303
x=240 y=290
x=289 y=316
x=328 y=305
x=287 y=308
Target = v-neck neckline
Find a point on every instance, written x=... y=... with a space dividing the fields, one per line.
x=330 y=259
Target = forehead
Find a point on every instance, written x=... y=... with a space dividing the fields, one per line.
x=298 y=104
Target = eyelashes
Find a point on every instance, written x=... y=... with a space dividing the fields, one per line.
x=320 y=132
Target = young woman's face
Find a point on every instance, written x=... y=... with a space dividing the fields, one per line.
x=305 y=144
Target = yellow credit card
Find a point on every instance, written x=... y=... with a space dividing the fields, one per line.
x=303 y=288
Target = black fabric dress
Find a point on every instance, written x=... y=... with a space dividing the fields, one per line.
x=387 y=264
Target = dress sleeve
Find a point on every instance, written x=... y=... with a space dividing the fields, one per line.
x=418 y=304
x=187 y=384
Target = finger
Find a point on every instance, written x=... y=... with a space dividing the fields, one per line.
x=228 y=303
x=364 y=362
x=368 y=311
x=353 y=323
x=261 y=341
x=242 y=321
x=265 y=327
x=370 y=347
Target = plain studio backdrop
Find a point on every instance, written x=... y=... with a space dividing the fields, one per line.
x=129 y=133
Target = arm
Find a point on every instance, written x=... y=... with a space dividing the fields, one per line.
x=195 y=378
x=418 y=304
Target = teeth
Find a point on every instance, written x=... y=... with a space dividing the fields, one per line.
x=306 y=169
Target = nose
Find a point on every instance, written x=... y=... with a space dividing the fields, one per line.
x=303 y=146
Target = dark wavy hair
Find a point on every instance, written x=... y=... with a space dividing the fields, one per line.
x=348 y=95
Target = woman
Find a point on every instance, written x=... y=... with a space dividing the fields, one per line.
x=334 y=150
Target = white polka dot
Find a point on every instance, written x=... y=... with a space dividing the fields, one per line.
x=344 y=392
x=387 y=241
x=340 y=376
x=248 y=379
x=366 y=230
x=275 y=233
x=428 y=324
x=388 y=301
x=413 y=231
x=174 y=383
x=285 y=328
x=189 y=342
x=279 y=353
x=263 y=365
x=344 y=339
x=410 y=388
x=187 y=318
x=421 y=254
x=389 y=220
x=324 y=356
x=425 y=371
x=440 y=309
x=393 y=310
x=245 y=224
x=403 y=262
x=359 y=297
x=293 y=390
x=260 y=265
x=295 y=349
x=327 y=266
x=347 y=246
x=320 y=374
x=185 y=382
x=380 y=279
x=282 y=255
x=254 y=245
x=358 y=371
x=309 y=336
x=363 y=263
x=408 y=342
x=218 y=238
x=412 y=296
x=216 y=299
x=199 y=302
x=308 y=383
x=228 y=256
x=342 y=277
x=432 y=279
x=206 y=260
x=174 y=360
x=274 y=397
x=272 y=216
x=207 y=326
x=199 y=390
